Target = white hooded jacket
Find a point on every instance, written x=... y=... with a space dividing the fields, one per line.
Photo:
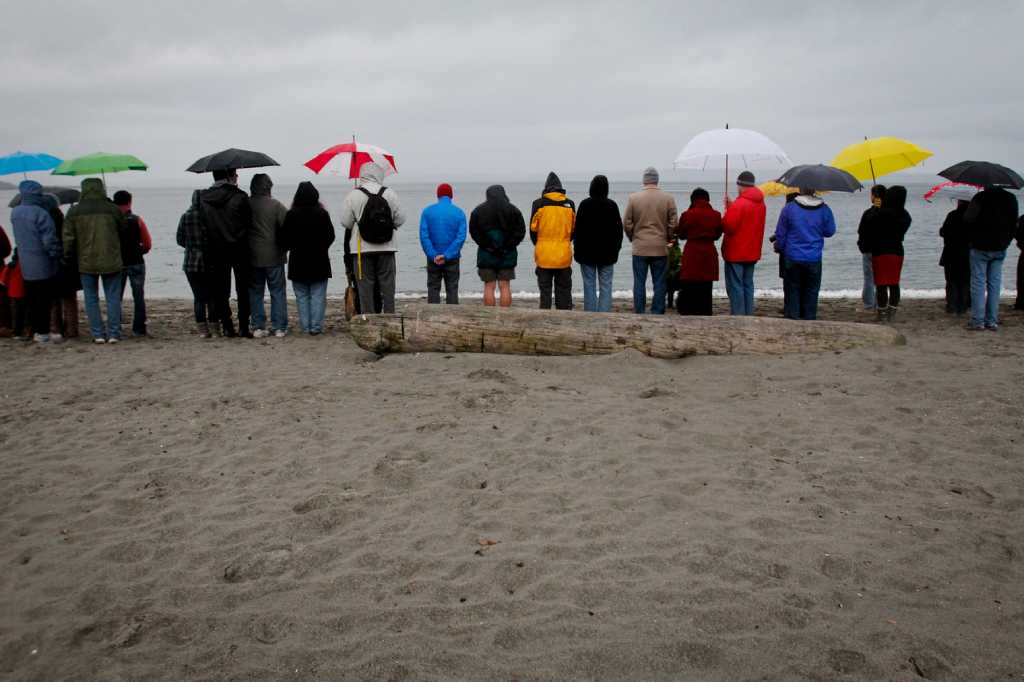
x=371 y=177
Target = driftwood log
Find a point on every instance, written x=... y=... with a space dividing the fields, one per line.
x=521 y=331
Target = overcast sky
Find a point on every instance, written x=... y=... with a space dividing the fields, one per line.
x=488 y=90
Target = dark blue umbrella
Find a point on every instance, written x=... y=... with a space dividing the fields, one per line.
x=21 y=162
x=820 y=178
x=983 y=173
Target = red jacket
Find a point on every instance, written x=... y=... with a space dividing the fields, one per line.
x=700 y=225
x=744 y=227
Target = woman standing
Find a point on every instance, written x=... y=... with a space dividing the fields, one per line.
x=39 y=253
x=497 y=227
x=307 y=234
x=700 y=226
x=598 y=240
x=956 y=260
x=804 y=225
x=883 y=238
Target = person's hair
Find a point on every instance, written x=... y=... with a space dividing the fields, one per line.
x=878 y=191
x=122 y=198
x=699 y=193
x=791 y=196
x=219 y=175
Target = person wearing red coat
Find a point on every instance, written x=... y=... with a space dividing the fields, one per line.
x=743 y=223
x=700 y=226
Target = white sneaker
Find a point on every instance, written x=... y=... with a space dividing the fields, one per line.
x=41 y=338
x=113 y=340
x=99 y=340
x=56 y=338
x=260 y=334
x=280 y=333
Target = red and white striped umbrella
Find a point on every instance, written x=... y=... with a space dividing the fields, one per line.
x=350 y=157
x=953 y=191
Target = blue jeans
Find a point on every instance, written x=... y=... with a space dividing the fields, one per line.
x=597 y=277
x=802 y=283
x=135 y=275
x=657 y=265
x=311 y=298
x=868 y=293
x=273 y=278
x=739 y=285
x=986 y=277
x=113 y=288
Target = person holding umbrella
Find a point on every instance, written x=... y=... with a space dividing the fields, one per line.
x=868 y=292
x=991 y=221
x=804 y=225
x=743 y=224
x=1019 y=303
x=883 y=238
x=227 y=215
x=39 y=254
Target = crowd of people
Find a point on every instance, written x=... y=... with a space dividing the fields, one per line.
x=256 y=242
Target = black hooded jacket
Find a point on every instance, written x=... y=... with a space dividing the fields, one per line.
x=227 y=215
x=497 y=227
x=956 y=249
x=884 y=230
x=991 y=219
x=597 y=239
x=307 y=233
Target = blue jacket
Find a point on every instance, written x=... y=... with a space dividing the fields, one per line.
x=442 y=229
x=39 y=250
x=803 y=226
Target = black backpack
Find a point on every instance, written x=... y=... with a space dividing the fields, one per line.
x=377 y=225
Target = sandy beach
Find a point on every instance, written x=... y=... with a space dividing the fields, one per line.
x=185 y=509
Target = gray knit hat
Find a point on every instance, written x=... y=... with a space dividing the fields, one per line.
x=651 y=175
x=746 y=179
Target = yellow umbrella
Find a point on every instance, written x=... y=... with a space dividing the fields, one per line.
x=776 y=189
x=871 y=159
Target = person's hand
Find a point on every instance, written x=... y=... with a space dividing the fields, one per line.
x=439 y=260
x=671 y=244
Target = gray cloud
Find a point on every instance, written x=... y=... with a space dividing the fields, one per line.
x=464 y=88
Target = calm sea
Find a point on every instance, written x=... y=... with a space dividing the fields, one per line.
x=161 y=208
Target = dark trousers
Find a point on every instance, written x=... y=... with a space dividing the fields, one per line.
x=562 y=280
x=220 y=292
x=694 y=298
x=135 y=276
x=1019 y=303
x=378 y=272
x=887 y=295
x=958 y=290
x=802 y=283
x=39 y=294
x=449 y=272
x=202 y=306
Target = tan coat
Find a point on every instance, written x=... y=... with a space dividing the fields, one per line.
x=649 y=221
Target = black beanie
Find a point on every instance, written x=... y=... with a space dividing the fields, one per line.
x=746 y=179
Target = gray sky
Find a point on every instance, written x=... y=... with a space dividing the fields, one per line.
x=477 y=90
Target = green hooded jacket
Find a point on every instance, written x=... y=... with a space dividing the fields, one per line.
x=92 y=231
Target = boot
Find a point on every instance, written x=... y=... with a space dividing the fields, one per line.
x=892 y=313
x=203 y=330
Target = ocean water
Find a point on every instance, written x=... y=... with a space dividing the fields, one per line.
x=922 y=277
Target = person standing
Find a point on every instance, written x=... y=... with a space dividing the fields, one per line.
x=743 y=224
x=308 y=233
x=700 y=226
x=191 y=236
x=804 y=225
x=92 y=234
x=5 y=302
x=1019 y=303
x=649 y=222
x=442 y=234
x=597 y=240
x=883 y=238
x=374 y=210
x=266 y=259
x=867 y=293
x=552 y=221
x=955 y=260
x=497 y=227
x=135 y=244
x=991 y=221
x=227 y=216
x=39 y=253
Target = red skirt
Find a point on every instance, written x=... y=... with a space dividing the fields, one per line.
x=887 y=269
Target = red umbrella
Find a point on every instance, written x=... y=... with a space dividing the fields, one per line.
x=952 y=190
x=355 y=154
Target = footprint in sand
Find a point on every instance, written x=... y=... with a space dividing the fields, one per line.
x=846 y=661
x=271 y=562
x=270 y=629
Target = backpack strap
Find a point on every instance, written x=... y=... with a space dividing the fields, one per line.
x=363 y=190
x=380 y=193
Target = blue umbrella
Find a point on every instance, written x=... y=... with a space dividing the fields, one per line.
x=20 y=162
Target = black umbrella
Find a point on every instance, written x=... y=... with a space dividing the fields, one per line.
x=231 y=159
x=983 y=173
x=66 y=195
x=820 y=178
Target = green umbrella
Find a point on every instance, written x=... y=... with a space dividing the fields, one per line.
x=101 y=163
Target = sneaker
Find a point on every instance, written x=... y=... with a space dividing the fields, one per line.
x=260 y=334
x=992 y=327
x=100 y=340
x=113 y=339
x=56 y=338
x=41 y=338
x=280 y=333
x=202 y=330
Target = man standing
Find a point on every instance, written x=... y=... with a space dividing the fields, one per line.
x=92 y=234
x=373 y=213
x=267 y=259
x=991 y=220
x=743 y=225
x=227 y=214
x=442 y=234
x=135 y=243
x=649 y=223
x=552 y=222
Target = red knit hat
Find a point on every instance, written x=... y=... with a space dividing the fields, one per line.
x=444 y=190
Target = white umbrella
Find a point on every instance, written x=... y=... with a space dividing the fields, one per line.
x=747 y=147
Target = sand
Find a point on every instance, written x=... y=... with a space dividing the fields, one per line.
x=297 y=508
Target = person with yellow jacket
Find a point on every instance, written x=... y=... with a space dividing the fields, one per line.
x=551 y=226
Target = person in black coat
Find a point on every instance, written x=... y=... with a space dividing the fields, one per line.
x=868 y=292
x=597 y=241
x=991 y=221
x=882 y=237
x=956 y=260
x=307 y=233
x=497 y=227
x=1019 y=303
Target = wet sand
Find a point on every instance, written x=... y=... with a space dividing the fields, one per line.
x=174 y=508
